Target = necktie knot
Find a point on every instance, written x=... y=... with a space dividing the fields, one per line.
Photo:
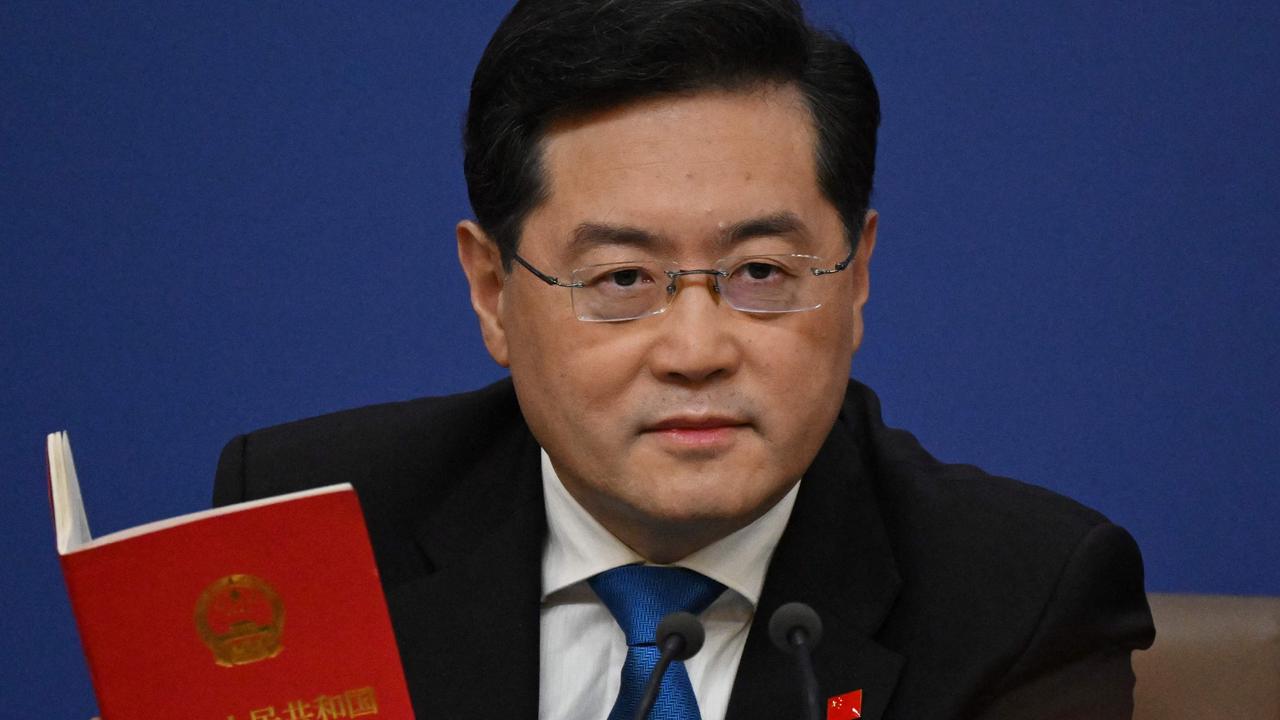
x=639 y=596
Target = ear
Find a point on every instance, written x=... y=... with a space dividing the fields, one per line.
x=860 y=267
x=482 y=264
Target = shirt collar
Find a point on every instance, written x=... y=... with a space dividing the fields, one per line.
x=578 y=546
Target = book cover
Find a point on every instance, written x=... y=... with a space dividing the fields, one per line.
x=267 y=610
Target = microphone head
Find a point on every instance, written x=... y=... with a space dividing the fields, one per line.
x=685 y=626
x=791 y=617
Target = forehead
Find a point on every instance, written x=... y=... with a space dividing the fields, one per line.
x=682 y=168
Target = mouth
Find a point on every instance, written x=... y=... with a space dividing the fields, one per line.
x=697 y=431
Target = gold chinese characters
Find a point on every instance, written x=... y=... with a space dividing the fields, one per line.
x=360 y=702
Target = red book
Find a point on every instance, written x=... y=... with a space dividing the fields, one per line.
x=267 y=610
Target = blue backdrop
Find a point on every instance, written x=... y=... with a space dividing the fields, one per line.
x=217 y=216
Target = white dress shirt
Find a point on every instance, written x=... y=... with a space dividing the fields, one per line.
x=582 y=647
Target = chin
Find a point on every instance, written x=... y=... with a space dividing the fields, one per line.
x=727 y=508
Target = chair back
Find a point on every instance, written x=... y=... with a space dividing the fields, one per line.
x=1215 y=656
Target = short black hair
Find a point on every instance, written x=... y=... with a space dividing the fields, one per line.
x=552 y=59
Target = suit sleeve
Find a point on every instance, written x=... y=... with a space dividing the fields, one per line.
x=229 y=481
x=1076 y=664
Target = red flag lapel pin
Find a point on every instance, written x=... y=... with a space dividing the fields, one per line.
x=845 y=707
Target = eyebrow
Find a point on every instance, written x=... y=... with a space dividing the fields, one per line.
x=589 y=235
x=776 y=224
x=592 y=234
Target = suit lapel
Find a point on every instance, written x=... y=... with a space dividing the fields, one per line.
x=468 y=631
x=835 y=556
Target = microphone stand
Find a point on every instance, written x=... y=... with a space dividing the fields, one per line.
x=796 y=629
x=680 y=637
x=799 y=641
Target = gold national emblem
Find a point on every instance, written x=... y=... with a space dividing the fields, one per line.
x=241 y=619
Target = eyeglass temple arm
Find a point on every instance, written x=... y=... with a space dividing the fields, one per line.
x=548 y=279
x=839 y=266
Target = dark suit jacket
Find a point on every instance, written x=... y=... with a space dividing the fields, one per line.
x=945 y=592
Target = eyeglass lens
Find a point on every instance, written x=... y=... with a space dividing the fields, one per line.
x=760 y=283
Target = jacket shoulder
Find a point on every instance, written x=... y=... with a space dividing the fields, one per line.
x=421 y=438
x=957 y=498
x=1008 y=581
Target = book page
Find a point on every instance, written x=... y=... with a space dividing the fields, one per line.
x=69 y=521
x=72 y=526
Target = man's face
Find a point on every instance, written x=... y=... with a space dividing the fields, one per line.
x=676 y=429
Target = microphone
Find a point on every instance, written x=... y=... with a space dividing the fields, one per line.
x=796 y=630
x=679 y=637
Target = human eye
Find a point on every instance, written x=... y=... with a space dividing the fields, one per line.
x=761 y=270
x=625 y=277
x=617 y=278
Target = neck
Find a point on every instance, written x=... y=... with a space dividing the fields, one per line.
x=665 y=542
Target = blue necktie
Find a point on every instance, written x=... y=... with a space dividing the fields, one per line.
x=639 y=597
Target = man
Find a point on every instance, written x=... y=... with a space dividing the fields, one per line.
x=671 y=256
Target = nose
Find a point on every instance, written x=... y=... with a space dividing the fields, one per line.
x=697 y=341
